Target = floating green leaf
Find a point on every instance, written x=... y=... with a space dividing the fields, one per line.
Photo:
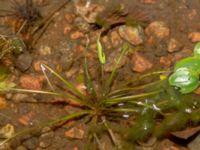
x=186 y=72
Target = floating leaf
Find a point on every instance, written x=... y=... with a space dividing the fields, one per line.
x=185 y=79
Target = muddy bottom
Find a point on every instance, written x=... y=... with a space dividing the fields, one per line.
x=61 y=35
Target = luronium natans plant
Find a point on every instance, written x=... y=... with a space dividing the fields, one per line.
x=98 y=107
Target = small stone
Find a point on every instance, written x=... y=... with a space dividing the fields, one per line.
x=134 y=35
x=174 y=45
x=82 y=88
x=21 y=148
x=82 y=25
x=75 y=133
x=45 y=50
x=24 y=61
x=157 y=29
x=89 y=11
x=31 y=143
x=166 y=60
x=140 y=63
x=37 y=65
x=2 y=102
x=5 y=146
x=67 y=29
x=148 y=1
x=26 y=119
x=45 y=139
x=76 y=35
x=7 y=131
x=31 y=82
x=194 y=36
x=18 y=97
x=69 y=17
x=115 y=38
x=75 y=148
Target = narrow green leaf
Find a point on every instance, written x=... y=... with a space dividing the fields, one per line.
x=117 y=100
x=110 y=79
x=69 y=97
x=70 y=86
x=89 y=84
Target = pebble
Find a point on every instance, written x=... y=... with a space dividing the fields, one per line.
x=31 y=143
x=166 y=60
x=157 y=29
x=194 y=36
x=148 y=1
x=37 y=65
x=21 y=148
x=75 y=133
x=82 y=25
x=69 y=17
x=3 y=102
x=89 y=12
x=45 y=139
x=26 y=119
x=32 y=82
x=45 y=50
x=67 y=29
x=7 y=131
x=24 y=61
x=76 y=35
x=134 y=35
x=140 y=63
x=174 y=45
x=115 y=39
x=18 y=97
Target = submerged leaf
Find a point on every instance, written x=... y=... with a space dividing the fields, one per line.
x=89 y=84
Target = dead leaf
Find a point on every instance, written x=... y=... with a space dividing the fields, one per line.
x=185 y=134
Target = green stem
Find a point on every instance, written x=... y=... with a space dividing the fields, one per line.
x=71 y=87
x=155 y=73
x=69 y=97
x=114 y=93
x=113 y=101
x=110 y=79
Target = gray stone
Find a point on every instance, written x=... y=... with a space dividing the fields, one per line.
x=195 y=144
x=24 y=61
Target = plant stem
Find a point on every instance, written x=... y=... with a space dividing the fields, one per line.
x=113 y=101
x=110 y=79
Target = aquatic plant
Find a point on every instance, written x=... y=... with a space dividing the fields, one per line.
x=186 y=72
x=128 y=112
x=25 y=17
x=24 y=14
x=10 y=44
